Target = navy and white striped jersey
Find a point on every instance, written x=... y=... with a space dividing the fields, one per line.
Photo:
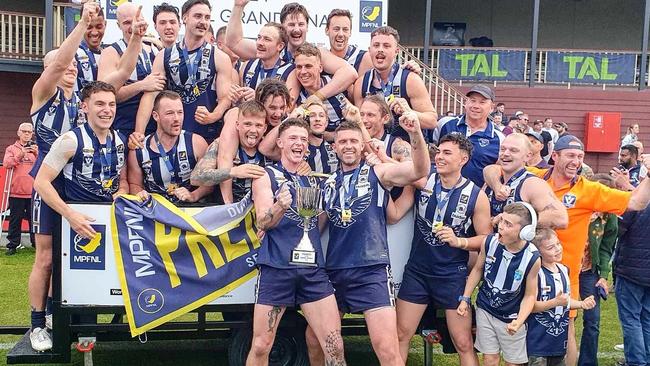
x=504 y=278
x=334 y=106
x=388 y=141
x=279 y=241
x=57 y=116
x=127 y=110
x=516 y=182
x=322 y=158
x=547 y=331
x=454 y=208
x=395 y=85
x=156 y=173
x=254 y=72
x=191 y=74
x=360 y=240
x=87 y=61
x=354 y=55
x=486 y=145
x=93 y=172
x=286 y=55
x=241 y=187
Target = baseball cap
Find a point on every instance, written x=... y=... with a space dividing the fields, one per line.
x=485 y=91
x=536 y=135
x=568 y=142
x=518 y=113
x=566 y=127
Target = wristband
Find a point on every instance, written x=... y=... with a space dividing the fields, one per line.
x=467 y=299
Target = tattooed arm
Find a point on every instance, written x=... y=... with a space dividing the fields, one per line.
x=551 y=213
x=205 y=172
x=269 y=211
x=401 y=150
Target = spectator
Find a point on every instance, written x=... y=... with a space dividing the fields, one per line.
x=627 y=174
x=548 y=127
x=497 y=119
x=632 y=135
x=632 y=271
x=561 y=128
x=603 y=230
x=523 y=123
x=20 y=158
x=547 y=145
x=501 y=108
x=513 y=126
x=537 y=142
x=639 y=145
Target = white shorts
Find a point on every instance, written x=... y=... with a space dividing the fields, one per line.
x=493 y=338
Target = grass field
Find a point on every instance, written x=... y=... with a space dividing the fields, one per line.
x=15 y=311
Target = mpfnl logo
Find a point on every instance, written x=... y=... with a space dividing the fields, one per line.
x=371 y=15
x=88 y=253
x=111 y=8
x=151 y=300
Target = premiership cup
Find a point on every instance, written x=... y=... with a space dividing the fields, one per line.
x=308 y=201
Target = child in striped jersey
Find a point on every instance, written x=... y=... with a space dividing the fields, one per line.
x=547 y=336
x=507 y=268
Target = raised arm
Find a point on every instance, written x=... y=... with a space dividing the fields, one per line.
x=244 y=48
x=268 y=146
x=343 y=74
x=551 y=212
x=200 y=147
x=421 y=101
x=269 y=210
x=45 y=86
x=146 y=106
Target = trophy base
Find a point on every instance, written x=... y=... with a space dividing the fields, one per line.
x=303 y=258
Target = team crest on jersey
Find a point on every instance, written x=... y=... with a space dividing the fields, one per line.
x=358 y=206
x=88 y=156
x=424 y=226
x=54 y=106
x=249 y=77
x=554 y=323
x=424 y=199
x=173 y=65
x=569 y=200
x=483 y=142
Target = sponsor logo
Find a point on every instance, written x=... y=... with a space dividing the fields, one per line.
x=116 y=292
x=371 y=16
x=151 y=300
x=111 y=8
x=88 y=254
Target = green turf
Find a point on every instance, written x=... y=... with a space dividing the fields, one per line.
x=15 y=311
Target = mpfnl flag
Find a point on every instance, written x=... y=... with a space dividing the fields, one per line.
x=170 y=262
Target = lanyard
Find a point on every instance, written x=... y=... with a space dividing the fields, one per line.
x=167 y=158
x=349 y=52
x=296 y=179
x=387 y=88
x=271 y=72
x=441 y=205
x=350 y=189
x=516 y=178
x=192 y=67
x=72 y=106
x=106 y=154
x=143 y=66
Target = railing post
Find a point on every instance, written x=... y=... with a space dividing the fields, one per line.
x=644 y=47
x=533 y=53
x=427 y=32
x=49 y=25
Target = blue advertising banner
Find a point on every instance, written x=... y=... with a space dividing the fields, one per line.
x=170 y=262
x=371 y=15
x=479 y=64
x=590 y=67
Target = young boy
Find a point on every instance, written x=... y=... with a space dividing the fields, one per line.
x=547 y=327
x=508 y=265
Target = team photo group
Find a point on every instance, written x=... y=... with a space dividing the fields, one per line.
x=209 y=116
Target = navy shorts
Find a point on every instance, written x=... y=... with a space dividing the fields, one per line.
x=441 y=292
x=43 y=216
x=364 y=288
x=291 y=287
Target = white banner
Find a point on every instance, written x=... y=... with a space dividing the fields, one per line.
x=366 y=16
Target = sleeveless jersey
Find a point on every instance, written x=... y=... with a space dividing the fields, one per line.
x=87 y=61
x=454 y=208
x=286 y=55
x=254 y=72
x=57 y=116
x=504 y=278
x=192 y=74
x=353 y=56
x=322 y=158
x=515 y=183
x=361 y=241
x=127 y=110
x=241 y=187
x=547 y=331
x=333 y=105
x=396 y=86
x=279 y=241
x=93 y=172
x=156 y=173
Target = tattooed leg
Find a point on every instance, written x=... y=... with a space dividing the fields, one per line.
x=273 y=317
x=334 y=349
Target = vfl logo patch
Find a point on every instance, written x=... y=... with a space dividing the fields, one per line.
x=569 y=200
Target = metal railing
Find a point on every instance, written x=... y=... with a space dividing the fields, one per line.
x=443 y=95
x=22 y=36
x=539 y=67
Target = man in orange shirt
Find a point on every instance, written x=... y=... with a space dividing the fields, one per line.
x=581 y=198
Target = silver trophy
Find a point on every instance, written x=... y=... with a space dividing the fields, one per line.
x=308 y=201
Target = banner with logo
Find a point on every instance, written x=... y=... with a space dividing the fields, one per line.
x=170 y=262
x=366 y=17
x=482 y=65
x=590 y=67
